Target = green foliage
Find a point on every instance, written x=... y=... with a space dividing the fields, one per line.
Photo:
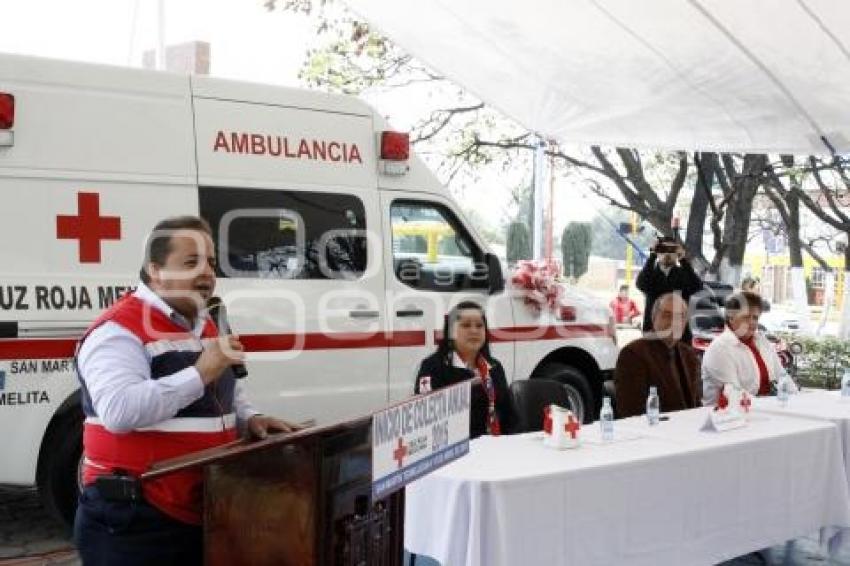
x=576 y=241
x=519 y=242
x=822 y=361
x=350 y=56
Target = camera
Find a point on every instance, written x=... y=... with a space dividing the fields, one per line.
x=665 y=245
x=666 y=248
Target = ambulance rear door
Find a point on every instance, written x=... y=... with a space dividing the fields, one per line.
x=96 y=156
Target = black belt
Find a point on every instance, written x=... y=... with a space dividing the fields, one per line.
x=119 y=486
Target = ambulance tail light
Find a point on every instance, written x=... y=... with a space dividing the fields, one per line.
x=395 y=146
x=7 y=119
x=394 y=152
x=7 y=111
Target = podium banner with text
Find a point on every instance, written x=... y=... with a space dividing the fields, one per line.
x=418 y=436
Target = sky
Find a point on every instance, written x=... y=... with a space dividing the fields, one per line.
x=248 y=42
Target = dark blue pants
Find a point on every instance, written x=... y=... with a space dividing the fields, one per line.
x=128 y=533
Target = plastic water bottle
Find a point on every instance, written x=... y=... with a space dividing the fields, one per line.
x=845 y=385
x=653 y=406
x=783 y=390
x=606 y=420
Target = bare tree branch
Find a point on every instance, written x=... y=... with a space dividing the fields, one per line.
x=443 y=117
x=611 y=172
x=829 y=193
x=810 y=249
x=634 y=173
x=814 y=207
x=597 y=189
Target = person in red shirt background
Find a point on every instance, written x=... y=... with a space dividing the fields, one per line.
x=625 y=310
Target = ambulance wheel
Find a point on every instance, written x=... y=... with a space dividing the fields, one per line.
x=59 y=465
x=576 y=385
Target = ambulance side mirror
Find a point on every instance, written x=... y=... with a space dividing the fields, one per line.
x=494 y=274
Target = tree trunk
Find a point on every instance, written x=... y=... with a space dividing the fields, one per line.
x=844 y=332
x=829 y=300
x=661 y=220
x=800 y=299
x=844 y=329
x=740 y=211
x=698 y=212
x=725 y=270
x=795 y=247
x=795 y=252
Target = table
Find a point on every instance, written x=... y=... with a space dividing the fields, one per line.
x=657 y=495
x=815 y=404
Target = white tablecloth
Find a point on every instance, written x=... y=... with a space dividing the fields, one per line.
x=815 y=404
x=661 y=495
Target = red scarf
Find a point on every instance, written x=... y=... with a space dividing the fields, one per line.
x=764 y=376
x=483 y=369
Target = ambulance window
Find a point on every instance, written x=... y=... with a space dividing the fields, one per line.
x=273 y=234
x=431 y=249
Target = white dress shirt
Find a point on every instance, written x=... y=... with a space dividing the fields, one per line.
x=116 y=368
x=728 y=360
x=458 y=362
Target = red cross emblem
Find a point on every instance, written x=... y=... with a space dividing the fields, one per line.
x=89 y=227
x=400 y=452
x=722 y=401
x=746 y=402
x=572 y=426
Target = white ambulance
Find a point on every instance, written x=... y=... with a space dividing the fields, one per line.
x=339 y=253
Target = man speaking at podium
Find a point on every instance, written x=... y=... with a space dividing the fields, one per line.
x=157 y=382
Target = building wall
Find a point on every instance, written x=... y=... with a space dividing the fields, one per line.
x=774 y=272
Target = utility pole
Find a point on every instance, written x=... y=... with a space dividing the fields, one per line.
x=630 y=250
x=550 y=204
x=537 y=199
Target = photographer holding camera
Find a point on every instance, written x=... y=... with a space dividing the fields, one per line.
x=667 y=271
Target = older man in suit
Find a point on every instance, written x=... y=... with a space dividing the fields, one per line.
x=661 y=359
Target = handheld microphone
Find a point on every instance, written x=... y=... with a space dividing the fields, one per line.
x=218 y=312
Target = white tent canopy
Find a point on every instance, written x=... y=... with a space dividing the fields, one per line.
x=725 y=75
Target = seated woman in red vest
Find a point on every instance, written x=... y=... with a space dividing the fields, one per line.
x=464 y=353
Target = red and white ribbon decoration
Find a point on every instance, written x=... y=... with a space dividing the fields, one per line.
x=539 y=278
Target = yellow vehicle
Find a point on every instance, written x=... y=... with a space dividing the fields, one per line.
x=425 y=237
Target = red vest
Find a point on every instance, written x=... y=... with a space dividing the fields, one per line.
x=205 y=423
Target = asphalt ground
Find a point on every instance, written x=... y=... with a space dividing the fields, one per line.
x=29 y=537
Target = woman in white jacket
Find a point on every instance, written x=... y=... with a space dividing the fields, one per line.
x=741 y=355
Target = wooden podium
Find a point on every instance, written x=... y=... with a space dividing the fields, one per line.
x=297 y=499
